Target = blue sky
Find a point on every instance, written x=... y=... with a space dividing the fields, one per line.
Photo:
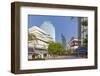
x=63 y=24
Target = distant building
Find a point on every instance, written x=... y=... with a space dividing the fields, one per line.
x=38 y=48
x=49 y=28
x=74 y=43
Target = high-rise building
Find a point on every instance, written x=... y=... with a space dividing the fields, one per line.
x=83 y=29
x=49 y=28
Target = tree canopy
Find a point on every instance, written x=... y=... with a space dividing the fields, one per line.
x=55 y=48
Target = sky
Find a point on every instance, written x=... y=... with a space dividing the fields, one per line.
x=66 y=25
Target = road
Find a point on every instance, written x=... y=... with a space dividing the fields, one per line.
x=64 y=57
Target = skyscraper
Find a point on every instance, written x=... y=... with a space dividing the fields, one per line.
x=49 y=28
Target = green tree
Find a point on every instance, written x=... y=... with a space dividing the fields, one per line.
x=85 y=38
x=55 y=48
x=85 y=42
x=84 y=22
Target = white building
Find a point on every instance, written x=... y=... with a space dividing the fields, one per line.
x=73 y=43
x=38 y=48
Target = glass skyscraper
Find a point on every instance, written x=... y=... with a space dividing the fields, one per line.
x=49 y=28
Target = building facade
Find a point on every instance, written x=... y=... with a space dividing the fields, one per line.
x=73 y=43
x=83 y=30
x=37 y=48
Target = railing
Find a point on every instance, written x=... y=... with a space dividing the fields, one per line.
x=38 y=46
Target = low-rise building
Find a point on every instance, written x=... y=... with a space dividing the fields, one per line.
x=37 y=48
x=73 y=44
